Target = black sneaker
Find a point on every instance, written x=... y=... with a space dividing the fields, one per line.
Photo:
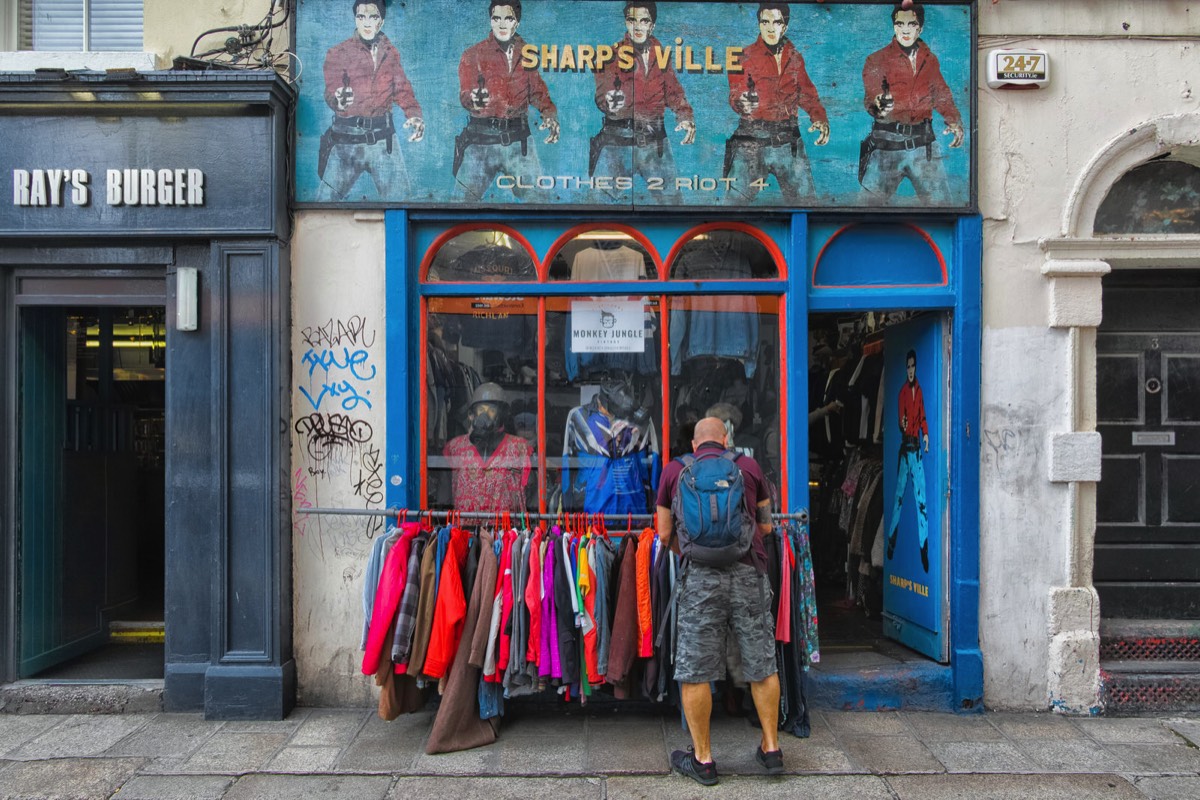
x=683 y=762
x=771 y=761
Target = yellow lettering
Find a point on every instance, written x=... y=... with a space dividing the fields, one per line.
x=662 y=56
x=604 y=54
x=567 y=62
x=689 y=64
x=549 y=57
x=733 y=59
x=625 y=57
x=529 y=56
x=710 y=66
x=586 y=51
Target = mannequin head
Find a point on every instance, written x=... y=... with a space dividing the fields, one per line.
x=485 y=417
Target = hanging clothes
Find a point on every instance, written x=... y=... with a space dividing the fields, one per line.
x=450 y=609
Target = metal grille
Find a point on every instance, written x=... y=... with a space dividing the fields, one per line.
x=1151 y=648
x=1137 y=693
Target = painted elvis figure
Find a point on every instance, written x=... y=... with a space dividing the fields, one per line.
x=903 y=86
x=914 y=441
x=363 y=80
x=633 y=99
x=497 y=91
x=767 y=95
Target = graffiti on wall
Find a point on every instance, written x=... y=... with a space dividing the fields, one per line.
x=338 y=457
x=606 y=103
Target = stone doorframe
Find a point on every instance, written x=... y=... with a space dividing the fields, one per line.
x=1074 y=265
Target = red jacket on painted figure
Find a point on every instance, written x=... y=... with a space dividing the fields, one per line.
x=917 y=86
x=782 y=86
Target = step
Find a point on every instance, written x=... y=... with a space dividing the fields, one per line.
x=1149 y=640
x=1151 y=667
x=136 y=632
x=1143 y=691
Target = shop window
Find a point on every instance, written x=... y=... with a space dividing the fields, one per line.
x=482 y=256
x=571 y=399
x=603 y=254
x=1158 y=197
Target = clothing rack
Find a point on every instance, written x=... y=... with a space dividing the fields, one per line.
x=798 y=516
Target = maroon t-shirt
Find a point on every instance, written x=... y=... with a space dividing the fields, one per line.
x=756 y=491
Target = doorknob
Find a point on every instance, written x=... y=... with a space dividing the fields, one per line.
x=1153 y=386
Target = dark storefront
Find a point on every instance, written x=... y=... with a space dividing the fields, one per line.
x=144 y=287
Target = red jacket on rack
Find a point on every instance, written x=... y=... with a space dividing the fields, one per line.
x=450 y=610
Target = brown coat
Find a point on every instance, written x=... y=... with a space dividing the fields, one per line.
x=457 y=725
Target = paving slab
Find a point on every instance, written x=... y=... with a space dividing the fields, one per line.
x=387 y=754
x=403 y=727
x=166 y=735
x=677 y=787
x=74 y=778
x=1013 y=787
x=80 y=736
x=233 y=753
x=1187 y=728
x=286 y=725
x=531 y=725
x=890 y=754
x=304 y=759
x=329 y=728
x=615 y=749
x=931 y=727
x=981 y=757
x=17 y=729
x=1158 y=758
x=326 y=787
x=1126 y=730
x=478 y=761
x=855 y=723
x=1170 y=788
x=1035 y=726
x=175 y=787
x=1071 y=755
x=430 y=788
x=546 y=756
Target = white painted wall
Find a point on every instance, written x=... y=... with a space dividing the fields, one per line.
x=1033 y=148
x=338 y=435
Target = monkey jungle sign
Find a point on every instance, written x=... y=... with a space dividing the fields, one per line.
x=607 y=103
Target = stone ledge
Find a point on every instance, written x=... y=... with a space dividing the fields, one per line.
x=1074 y=457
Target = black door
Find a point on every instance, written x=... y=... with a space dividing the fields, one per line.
x=1148 y=405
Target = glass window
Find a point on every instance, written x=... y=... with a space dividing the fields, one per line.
x=59 y=25
x=1158 y=197
x=481 y=403
x=571 y=403
x=603 y=255
x=725 y=363
x=722 y=254
x=482 y=256
x=603 y=401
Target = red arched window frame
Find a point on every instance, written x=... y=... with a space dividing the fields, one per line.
x=937 y=251
x=750 y=230
x=458 y=230
x=579 y=230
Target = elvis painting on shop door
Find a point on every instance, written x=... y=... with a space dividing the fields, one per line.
x=914 y=480
x=602 y=103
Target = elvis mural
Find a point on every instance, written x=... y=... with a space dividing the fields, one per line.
x=683 y=109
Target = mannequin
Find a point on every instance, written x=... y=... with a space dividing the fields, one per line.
x=490 y=467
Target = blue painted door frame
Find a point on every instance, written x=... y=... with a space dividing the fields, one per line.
x=958 y=686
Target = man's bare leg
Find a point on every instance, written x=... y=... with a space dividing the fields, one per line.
x=766 y=703
x=697 y=710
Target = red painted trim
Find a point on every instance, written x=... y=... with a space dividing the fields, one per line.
x=767 y=242
x=467 y=227
x=541 y=417
x=784 y=407
x=924 y=235
x=571 y=234
x=423 y=405
x=664 y=366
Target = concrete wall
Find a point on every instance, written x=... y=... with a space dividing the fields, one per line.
x=1038 y=617
x=170 y=26
x=339 y=432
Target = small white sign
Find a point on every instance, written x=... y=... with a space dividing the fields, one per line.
x=1018 y=69
x=608 y=326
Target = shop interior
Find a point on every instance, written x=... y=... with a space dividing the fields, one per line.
x=93 y=606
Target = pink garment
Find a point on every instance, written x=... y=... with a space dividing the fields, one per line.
x=387 y=599
x=783 y=615
x=506 y=572
x=533 y=598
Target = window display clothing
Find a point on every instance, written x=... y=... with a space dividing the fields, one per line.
x=485 y=263
x=598 y=263
x=725 y=326
x=494 y=484
x=608 y=463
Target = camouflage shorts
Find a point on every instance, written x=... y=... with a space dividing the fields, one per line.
x=713 y=602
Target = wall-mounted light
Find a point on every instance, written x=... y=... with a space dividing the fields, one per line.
x=187 y=281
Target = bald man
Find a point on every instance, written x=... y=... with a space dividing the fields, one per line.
x=716 y=600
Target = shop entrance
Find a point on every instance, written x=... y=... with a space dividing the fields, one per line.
x=1148 y=406
x=90 y=413
x=877 y=468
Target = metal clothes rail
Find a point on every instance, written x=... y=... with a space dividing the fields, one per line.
x=798 y=516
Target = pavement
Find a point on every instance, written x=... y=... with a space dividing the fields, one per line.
x=597 y=753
